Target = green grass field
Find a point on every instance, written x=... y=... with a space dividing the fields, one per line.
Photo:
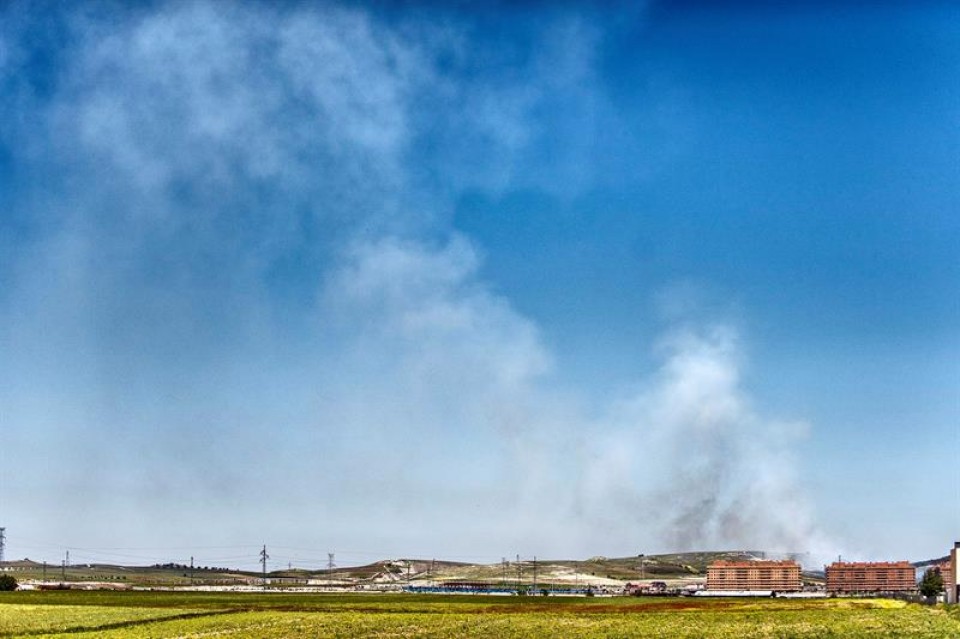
x=160 y=615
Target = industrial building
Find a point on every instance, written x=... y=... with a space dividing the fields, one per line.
x=774 y=576
x=873 y=576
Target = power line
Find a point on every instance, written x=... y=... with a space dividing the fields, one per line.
x=161 y=554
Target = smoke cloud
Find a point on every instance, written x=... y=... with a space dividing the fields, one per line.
x=716 y=474
x=233 y=294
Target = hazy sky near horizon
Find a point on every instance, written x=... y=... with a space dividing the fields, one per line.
x=452 y=281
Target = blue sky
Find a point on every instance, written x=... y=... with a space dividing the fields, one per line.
x=432 y=280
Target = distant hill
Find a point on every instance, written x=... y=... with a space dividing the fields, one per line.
x=930 y=562
x=678 y=568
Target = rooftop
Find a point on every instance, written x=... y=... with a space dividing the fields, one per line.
x=871 y=564
x=723 y=563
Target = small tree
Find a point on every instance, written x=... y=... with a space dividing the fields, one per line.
x=932 y=583
x=8 y=583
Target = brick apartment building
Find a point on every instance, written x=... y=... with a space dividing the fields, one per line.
x=780 y=576
x=945 y=568
x=951 y=579
x=885 y=576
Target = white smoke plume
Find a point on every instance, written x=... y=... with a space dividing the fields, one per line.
x=237 y=289
x=716 y=474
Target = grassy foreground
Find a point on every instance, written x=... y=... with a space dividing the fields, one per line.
x=160 y=615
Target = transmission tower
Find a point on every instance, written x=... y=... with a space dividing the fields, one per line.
x=3 y=541
x=534 y=574
x=263 y=561
x=330 y=566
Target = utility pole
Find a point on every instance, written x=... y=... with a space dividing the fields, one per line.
x=63 y=570
x=519 y=573
x=44 y=572
x=191 y=570
x=330 y=566
x=3 y=542
x=263 y=560
x=68 y=558
x=642 y=574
